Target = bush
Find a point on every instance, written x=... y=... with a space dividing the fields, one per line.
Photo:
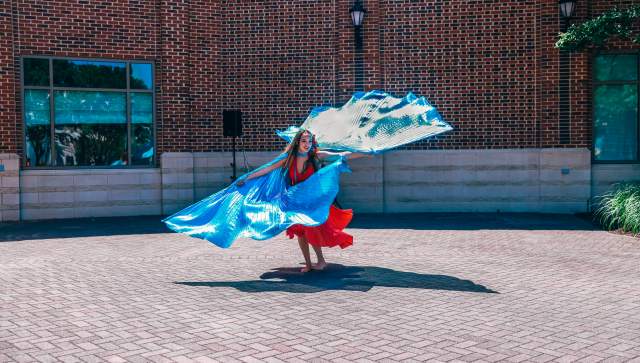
x=620 y=208
x=595 y=32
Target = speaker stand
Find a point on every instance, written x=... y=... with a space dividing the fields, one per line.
x=233 y=164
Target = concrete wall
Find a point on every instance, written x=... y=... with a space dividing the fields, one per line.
x=9 y=188
x=363 y=189
x=48 y=194
x=212 y=171
x=508 y=180
x=605 y=176
x=177 y=181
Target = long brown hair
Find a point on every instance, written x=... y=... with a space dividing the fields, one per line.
x=292 y=149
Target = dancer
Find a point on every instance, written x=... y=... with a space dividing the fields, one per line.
x=302 y=160
x=291 y=193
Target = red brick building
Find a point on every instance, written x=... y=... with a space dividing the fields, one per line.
x=158 y=75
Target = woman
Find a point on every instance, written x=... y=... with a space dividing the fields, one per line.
x=290 y=193
x=302 y=160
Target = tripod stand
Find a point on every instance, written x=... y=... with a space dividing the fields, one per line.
x=232 y=127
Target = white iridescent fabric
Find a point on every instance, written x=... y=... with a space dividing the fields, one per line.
x=372 y=122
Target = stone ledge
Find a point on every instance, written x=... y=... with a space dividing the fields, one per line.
x=9 y=190
x=74 y=172
x=91 y=188
x=80 y=204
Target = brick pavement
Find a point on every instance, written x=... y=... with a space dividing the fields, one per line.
x=455 y=287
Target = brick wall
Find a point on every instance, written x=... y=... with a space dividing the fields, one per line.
x=547 y=27
x=8 y=127
x=475 y=63
x=278 y=60
x=490 y=67
x=174 y=81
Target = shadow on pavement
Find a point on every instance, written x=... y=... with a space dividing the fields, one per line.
x=87 y=227
x=339 y=277
x=82 y=227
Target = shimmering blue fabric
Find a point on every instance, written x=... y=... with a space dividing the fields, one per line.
x=261 y=208
x=372 y=122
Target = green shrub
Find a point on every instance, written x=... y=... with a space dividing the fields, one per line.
x=595 y=32
x=620 y=208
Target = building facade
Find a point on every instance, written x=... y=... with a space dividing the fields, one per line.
x=115 y=108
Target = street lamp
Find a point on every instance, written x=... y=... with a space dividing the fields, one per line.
x=357 y=14
x=568 y=8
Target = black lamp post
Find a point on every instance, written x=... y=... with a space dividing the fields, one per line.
x=567 y=10
x=357 y=12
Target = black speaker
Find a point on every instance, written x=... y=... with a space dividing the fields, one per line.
x=232 y=123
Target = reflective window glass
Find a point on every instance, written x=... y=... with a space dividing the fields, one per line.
x=37 y=127
x=141 y=76
x=89 y=74
x=36 y=72
x=616 y=67
x=90 y=128
x=142 y=146
x=81 y=116
x=615 y=122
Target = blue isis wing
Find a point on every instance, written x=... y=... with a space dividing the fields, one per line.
x=260 y=209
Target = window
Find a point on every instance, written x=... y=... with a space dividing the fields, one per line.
x=615 y=108
x=84 y=113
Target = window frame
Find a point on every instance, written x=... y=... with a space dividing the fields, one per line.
x=594 y=84
x=52 y=89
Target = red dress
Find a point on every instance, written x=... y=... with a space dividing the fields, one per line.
x=328 y=234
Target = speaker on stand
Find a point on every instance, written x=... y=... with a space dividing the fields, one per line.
x=232 y=127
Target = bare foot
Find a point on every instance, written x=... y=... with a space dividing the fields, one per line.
x=320 y=265
x=305 y=269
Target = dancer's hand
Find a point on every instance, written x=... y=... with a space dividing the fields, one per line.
x=240 y=182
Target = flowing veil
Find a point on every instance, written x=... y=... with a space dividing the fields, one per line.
x=265 y=206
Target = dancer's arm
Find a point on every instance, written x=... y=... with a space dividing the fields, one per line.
x=259 y=173
x=346 y=154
